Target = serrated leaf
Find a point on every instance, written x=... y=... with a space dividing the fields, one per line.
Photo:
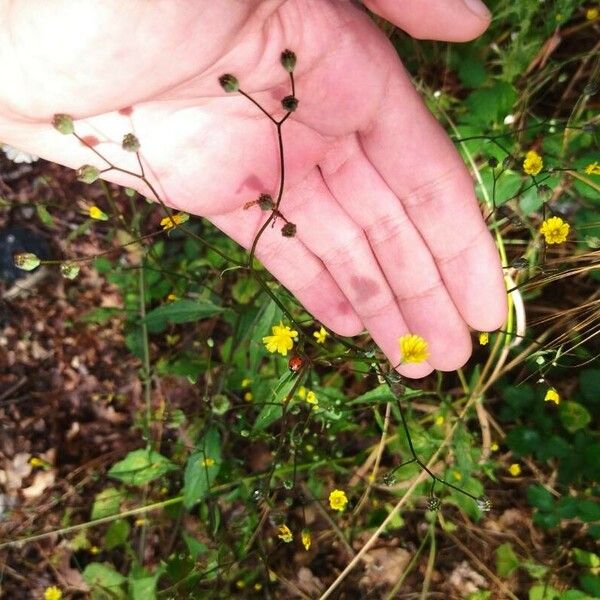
x=103 y=578
x=141 y=466
x=540 y=497
x=117 y=534
x=202 y=468
x=180 y=311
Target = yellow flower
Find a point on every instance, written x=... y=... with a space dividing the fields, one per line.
x=208 y=462
x=414 y=348
x=246 y=382
x=248 y=397
x=457 y=475
x=257 y=586
x=494 y=447
x=282 y=339
x=311 y=398
x=34 y=461
x=285 y=534
x=98 y=214
x=515 y=469
x=321 y=335
x=140 y=522
x=52 y=593
x=555 y=230
x=306 y=539
x=302 y=392
x=533 y=163
x=552 y=396
x=591 y=14
x=439 y=420
x=484 y=338
x=95 y=550
x=171 y=297
x=593 y=169
x=338 y=500
x=240 y=584
x=176 y=219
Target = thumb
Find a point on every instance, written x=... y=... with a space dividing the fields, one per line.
x=444 y=20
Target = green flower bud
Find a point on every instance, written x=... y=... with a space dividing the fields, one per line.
x=88 y=174
x=288 y=230
x=26 y=261
x=288 y=60
x=229 y=83
x=63 y=123
x=220 y=404
x=265 y=201
x=290 y=103
x=130 y=143
x=69 y=270
x=492 y=162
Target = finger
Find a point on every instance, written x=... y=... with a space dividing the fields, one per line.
x=298 y=269
x=418 y=162
x=445 y=20
x=405 y=259
x=327 y=230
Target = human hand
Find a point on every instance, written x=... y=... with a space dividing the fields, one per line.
x=389 y=234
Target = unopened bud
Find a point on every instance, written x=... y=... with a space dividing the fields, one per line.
x=484 y=504
x=433 y=503
x=288 y=60
x=229 y=83
x=88 y=174
x=63 y=123
x=130 y=143
x=265 y=201
x=290 y=103
x=510 y=162
x=26 y=261
x=544 y=191
x=288 y=230
x=69 y=270
x=492 y=162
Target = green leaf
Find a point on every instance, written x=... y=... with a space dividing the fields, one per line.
x=142 y=585
x=106 y=503
x=101 y=315
x=104 y=581
x=540 y=497
x=588 y=511
x=117 y=534
x=590 y=584
x=44 y=216
x=244 y=289
x=194 y=546
x=535 y=570
x=507 y=186
x=202 y=468
x=573 y=416
x=490 y=105
x=141 y=466
x=586 y=559
x=506 y=560
x=273 y=409
x=589 y=384
x=180 y=311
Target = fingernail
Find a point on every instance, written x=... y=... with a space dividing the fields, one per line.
x=479 y=8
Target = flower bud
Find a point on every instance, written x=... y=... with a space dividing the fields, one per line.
x=265 y=201
x=63 y=123
x=88 y=174
x=69 y=270
x=492 y=162
x=130 y=143
x=288 y=60
x=484 y=504
x=229 y=83
x=290 y=103
x=288 y=230
x=26 y=261
x=433 y=503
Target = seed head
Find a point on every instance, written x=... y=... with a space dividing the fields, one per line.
x=229 y=83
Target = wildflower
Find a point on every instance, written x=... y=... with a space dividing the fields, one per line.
x=246 y=382
x=171 y=221
x=240 y=584
x=338 y=500
x=414 y=348
x=52 y=593
x=551 y=396
x=591 y=14
x=248 y=397
x=484 y=338
x=515 y=469
x=593 y=168
x=139 y=522
x=533 y=163
x=311 y=398
x=439 y=420
x=257 y=586
x=321 y=335
x=171 y=298
x=285 y=534
x=494 y=447
x=34 y=461
x=306 y=539
x=95 y=550
x=208 y=462
x=97 y=214
x=302 y=392
x=555 y=230
x=456 y=475
x=282 y=339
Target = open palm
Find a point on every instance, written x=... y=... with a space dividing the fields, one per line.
x=389 y=234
